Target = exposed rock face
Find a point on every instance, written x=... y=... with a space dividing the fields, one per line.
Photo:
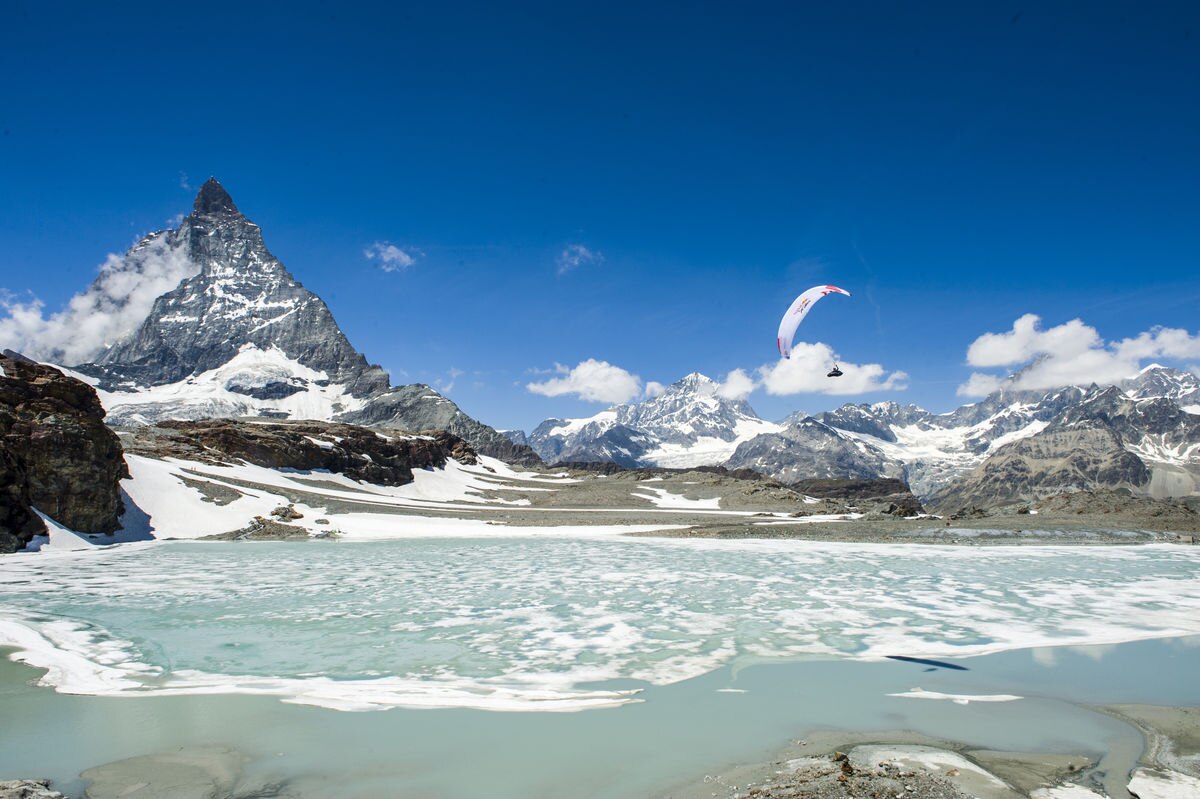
x=878 y=498
x=241 y=295
x=1087 y=456
x=419 y=407
x=383 y=458
x=1107 y=439
x=56 y=454
x=851 y=490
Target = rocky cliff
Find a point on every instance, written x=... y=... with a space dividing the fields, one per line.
x=56 y=454
x=375 y=456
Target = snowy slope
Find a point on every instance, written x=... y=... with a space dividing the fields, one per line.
x=255 y=382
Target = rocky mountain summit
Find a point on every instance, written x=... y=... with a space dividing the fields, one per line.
x=689 y=424
x=56 y=454
x=241 y=296
x=241 y=337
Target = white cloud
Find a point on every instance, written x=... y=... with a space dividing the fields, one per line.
x=737 y=385
x=183 y=182
x=447 y=385
x=804 y=372
x=592 y=380
x=1025 y=341
x=391 y=258
x=114 y=305
x=574 y=256
x=1072 y=353
x=654 y=389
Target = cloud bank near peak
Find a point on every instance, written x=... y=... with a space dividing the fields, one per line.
x=1073 y=353
x=592 y=380
x=112 y=307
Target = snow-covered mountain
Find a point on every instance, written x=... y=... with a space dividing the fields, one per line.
x=1160 y=381
x=689 y=424
x=1108 y=439
x=240 y=336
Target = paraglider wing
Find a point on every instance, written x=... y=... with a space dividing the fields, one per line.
x=796 y=313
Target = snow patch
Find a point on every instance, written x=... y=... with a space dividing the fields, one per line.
x=208 y=394
x=1152 y=784
x=662 y=498
x=958 y=699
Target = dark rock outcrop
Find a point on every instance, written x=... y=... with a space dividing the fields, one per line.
x=56 y=454
x=380 y=457
x=851 y=490
x=878 y=498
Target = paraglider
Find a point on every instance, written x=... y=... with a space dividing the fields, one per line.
x=795 y=315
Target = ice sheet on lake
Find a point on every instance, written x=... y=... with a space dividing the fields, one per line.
x=538 y=623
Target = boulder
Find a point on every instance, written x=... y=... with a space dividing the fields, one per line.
x=56 y=454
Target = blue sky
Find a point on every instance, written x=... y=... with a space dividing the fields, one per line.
x=955 y=167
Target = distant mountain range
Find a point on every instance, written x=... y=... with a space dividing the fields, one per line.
x=240 y=336
x=1143 y=435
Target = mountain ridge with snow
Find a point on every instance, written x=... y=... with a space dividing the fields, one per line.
x=885 y=439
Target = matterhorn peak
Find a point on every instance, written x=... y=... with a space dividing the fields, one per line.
x=212 y=199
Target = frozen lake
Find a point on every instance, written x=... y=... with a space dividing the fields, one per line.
x=699 y=652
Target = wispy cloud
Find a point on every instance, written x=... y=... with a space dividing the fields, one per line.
x=390 y=257
x=446 y=385
x=574 y=256
x=1072 y=353
x=183 y=182
x=592 y=380
x=111 y=308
